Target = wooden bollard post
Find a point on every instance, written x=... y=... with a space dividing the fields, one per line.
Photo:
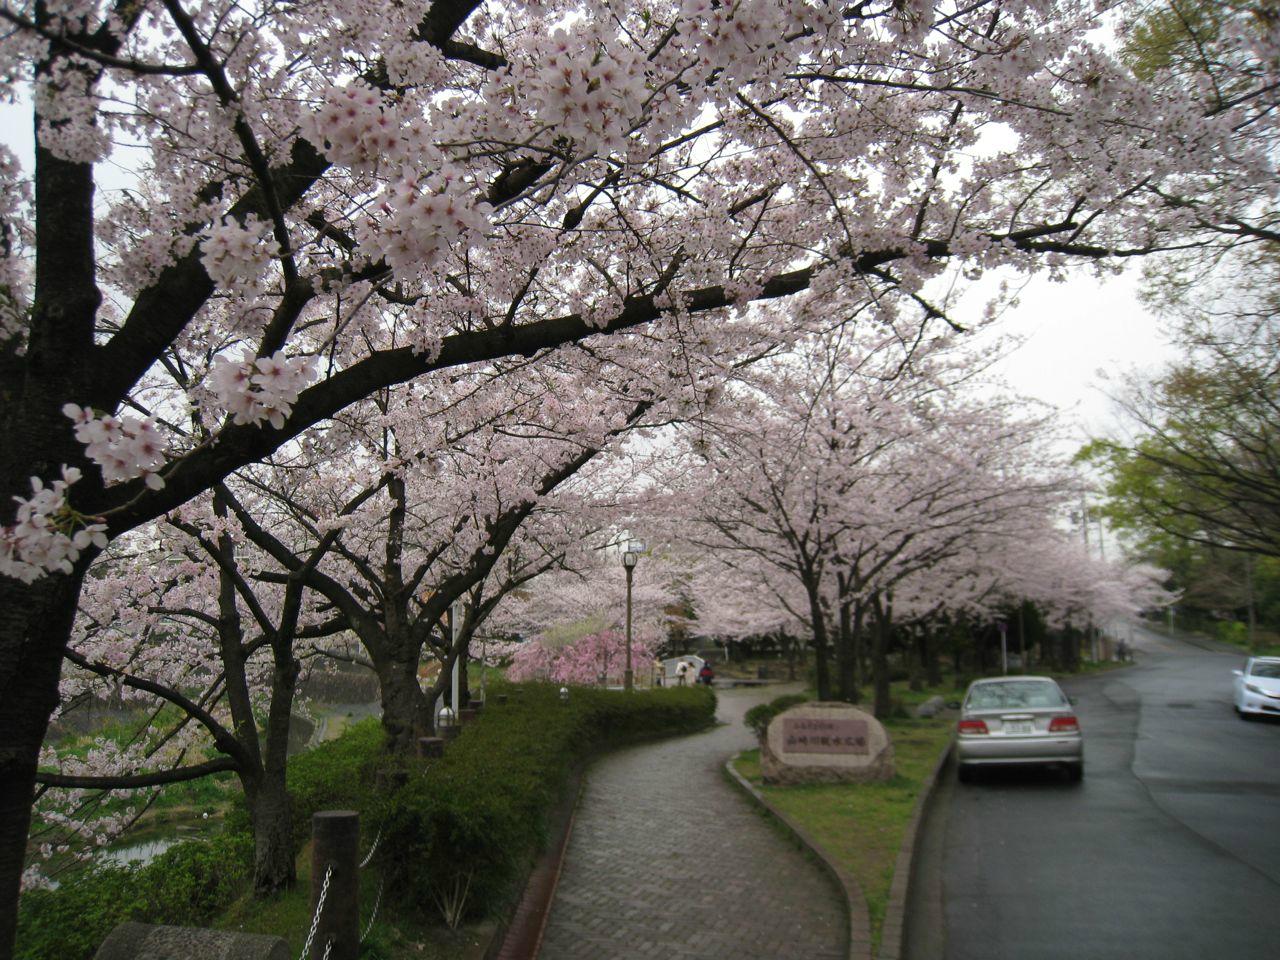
x=429 y=747
x=467 y=715
x=335 y=849
x=502 y=699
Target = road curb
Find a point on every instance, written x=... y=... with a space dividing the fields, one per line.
x=892 y=933
x=855 y=901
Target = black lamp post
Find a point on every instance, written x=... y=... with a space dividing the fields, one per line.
x=630 y=557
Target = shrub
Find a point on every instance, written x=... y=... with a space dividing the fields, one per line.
x=1233 y=631
x=473 y=819
x=338 y=774
x=187 y=885
x=759 y=716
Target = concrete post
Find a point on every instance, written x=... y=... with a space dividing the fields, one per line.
x=335 y=836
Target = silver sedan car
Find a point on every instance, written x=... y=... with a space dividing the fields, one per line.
x=1018 y=720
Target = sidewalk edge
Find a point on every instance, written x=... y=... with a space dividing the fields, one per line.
x=892 y=940
x=521 y=937
x=855 y=903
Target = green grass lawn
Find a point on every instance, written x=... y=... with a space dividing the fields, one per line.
x=862 y=825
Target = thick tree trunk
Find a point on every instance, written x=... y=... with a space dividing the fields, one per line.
x=822 y=672
x=880 y=661
x=932 y=659
x=273 y=863
x=405 y=710
x=464 y=682
x=35 y=624
x=847 y=657
x=915 y=659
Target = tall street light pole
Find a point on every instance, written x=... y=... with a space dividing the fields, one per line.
x=630 y=557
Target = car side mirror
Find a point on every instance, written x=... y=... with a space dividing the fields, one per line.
x=1237 y=673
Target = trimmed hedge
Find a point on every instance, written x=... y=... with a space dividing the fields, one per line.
x=759 y=716
x=474 y=818
x=338 y=774
x=479 y=814
x=187 y=885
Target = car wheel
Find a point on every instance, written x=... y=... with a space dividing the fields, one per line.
x=964 y=773
x=1075 y=772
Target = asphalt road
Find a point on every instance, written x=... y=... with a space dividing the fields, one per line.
x=1169 y=849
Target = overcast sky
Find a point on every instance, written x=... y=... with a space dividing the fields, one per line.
x=1078 y=333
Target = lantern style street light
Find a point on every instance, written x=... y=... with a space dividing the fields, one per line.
x=630 y=557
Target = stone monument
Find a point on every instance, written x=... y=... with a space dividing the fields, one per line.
x=825 y=742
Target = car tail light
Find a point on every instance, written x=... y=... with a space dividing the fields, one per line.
x=972 y=726
x=1067 y=724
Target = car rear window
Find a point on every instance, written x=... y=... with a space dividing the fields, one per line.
x=1265 y=669
x=1015 y=693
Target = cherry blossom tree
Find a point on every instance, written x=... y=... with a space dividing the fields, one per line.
x=861 y=468
x=582 y=660
x=178 y=616
x=323 y=201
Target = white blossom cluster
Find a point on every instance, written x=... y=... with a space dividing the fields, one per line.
x=44 y=537
x=266 y=388
x=124 y=447
x=235 y=254
x=424 y=218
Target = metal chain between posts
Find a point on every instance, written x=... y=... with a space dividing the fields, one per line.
x=315 y=921
x=328 y=949
x=377 y=902
x=372 y=850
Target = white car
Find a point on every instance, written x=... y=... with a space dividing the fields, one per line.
x=1257 y=687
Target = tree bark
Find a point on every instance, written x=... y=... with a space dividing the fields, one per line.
x=847 y=656
x=406 y=714
x=915 y=659
x=822 y=673
x=880 y=658
x=932 y=659
x=35 y=624
x=274 y=868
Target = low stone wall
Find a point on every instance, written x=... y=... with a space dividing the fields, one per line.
x=144 y=941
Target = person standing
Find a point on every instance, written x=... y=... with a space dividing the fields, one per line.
x=682 y=673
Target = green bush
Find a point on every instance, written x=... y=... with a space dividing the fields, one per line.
x=473 y=819
x=187 y=885
x=1233 y=631
x=339 y=774
x=759 y=716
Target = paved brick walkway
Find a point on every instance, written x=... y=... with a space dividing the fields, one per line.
x=668 y=860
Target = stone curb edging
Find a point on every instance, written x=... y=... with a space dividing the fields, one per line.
x=521 y=937
x=892 y=932
x=855 y=901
